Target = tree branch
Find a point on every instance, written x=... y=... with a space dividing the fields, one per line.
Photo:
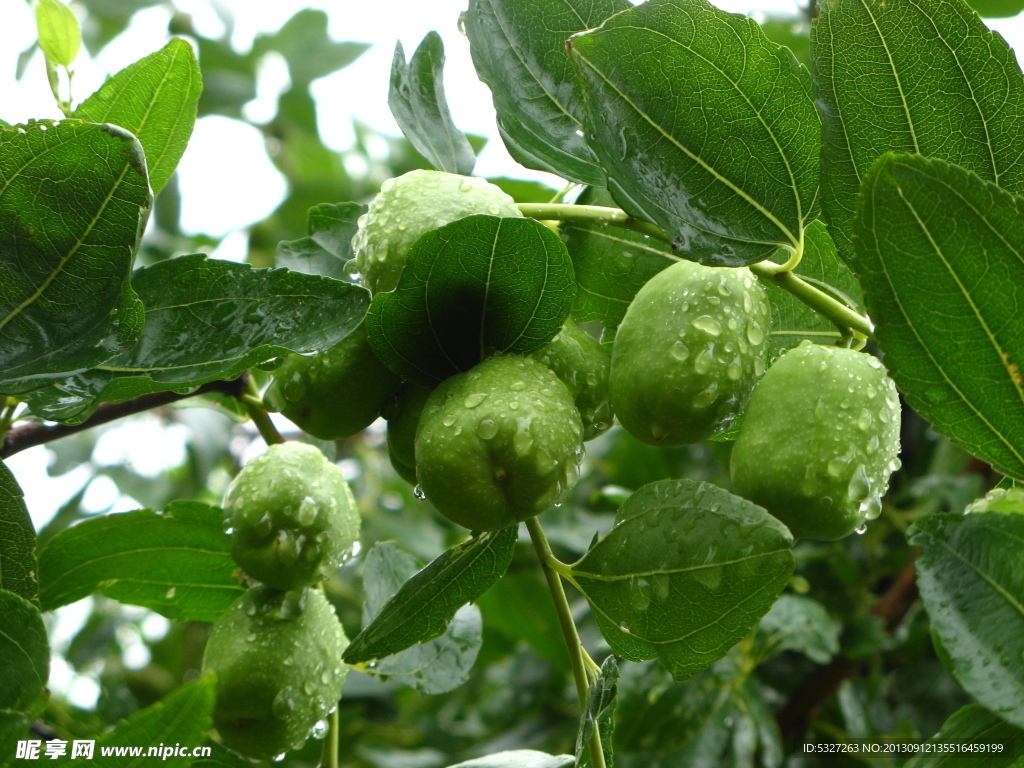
x=807 y=701
x=33 y=434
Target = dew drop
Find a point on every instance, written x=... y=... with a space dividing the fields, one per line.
x=418 y=492
x=449 y=419
x=473 y=400
x=679 y=351
x=754 y=333
x=703 y=362
x=319 y=729
x=352 y=270
x=709 y=325
x=707 y=396
x=861 y=529
x=486 y=429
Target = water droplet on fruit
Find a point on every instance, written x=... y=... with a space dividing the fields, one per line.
x=706 y=397
x=871 y=507
x=679 y=351
x=735 y=370
x=264 y=526
x=449 y=419
x=486 y=429
x=418 y=492
x=861 y=529
x=703 y=362
x=294 y=388
x=837 y=467
x=352 y=271
x=864 y=420
x=473 y=400
x=859 y=488
x=307 y=511
x=709 y=325
x=319 y=728
x=755 y=335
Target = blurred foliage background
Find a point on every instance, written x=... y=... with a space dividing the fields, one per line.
x=827 y=631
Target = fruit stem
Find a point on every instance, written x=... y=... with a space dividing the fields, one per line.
x=258 y=413
x=780 y=274
x=577 y=655
x=329 y=756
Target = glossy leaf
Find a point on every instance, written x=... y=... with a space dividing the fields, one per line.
x=973 y=588
x=599 y=715
x=180 y=719
x=25 y=652
x=417 y=101
x=973 y=725
x=155 y=98
x=207 y=320
x=942 y=85
x=479 y=285
x=519 y=51
x=704 y=127
x=425 y=604
x=687 y=570
x=792 y=320
x=797 y=623
x=932 y=236
x=73 y=201
x=176 y=562
x=17 y=540
x=332 y=226
x=611 y=264
x=435 y=666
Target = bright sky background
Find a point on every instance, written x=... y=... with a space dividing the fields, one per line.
x=229 y=183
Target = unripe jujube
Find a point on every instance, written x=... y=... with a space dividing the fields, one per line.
x=335 y=394
x=411 y=205
x=293 y=517
x=499 y=443
x=688 y=352
x=582 y=363
x=403 y=414
x=277 y=657
x=819 y=440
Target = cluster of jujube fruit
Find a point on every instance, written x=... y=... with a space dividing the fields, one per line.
x=502 y=442
x=277 y=650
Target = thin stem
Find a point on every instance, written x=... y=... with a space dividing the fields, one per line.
x=577 y=655
x=258 y=413
x=780 y=274
x=8 y=407
x=329 y=755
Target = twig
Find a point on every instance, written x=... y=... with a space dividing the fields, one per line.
x=807 y=701
x=30 y=435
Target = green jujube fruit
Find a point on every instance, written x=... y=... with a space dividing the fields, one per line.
x=335 y=394
x=277 y=658
x=1006 y=500
x=582 y=363
x=819 y=440
x=411 y=205
x=499 y=443
x=688 y=352
x=292 y=516
x=403 y=414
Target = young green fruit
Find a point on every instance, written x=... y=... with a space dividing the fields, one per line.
x=403 y=414
x=499 y=443
x=688 y=352
x=582 y=363
x=819 y=441
x=277 y=657
x=411 y=205
x=293 y=517
x=1006 y=500
x=335 y=394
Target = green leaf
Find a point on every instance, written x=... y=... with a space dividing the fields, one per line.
x=792 y=320
x=209 y=320
x=704 y=127
x=74 y=199
x=307 y=47
x=13 y=728
x=416 y=98
x=176 y=562
x=997 y=9
x=25 y=651
x=479 y=285
x=687 y=570
x=60 y=37
x=155 y=98
x=519 y=51
x=599 y=714
x=308 y=257
x=17 y=540
x=519 y=758
x=973 y=725
x=792 y=31
x=611 y=264
x=519 y=607
x=181 y=719
x=799 y=624
x=941 y=84
x=425 y=604
x=973 y=587
x=332 y=226
x=435 y=666
x=940 y=254
x=221 y=757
